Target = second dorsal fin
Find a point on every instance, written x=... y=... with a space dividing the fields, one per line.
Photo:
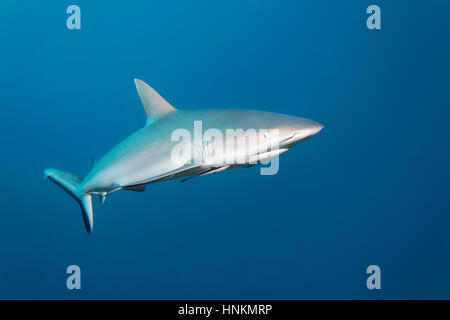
x=154 y=105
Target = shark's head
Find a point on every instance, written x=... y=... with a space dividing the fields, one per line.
x=291 y=129
x=301 y=130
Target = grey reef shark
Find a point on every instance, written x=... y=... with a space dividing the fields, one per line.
x=147 y=155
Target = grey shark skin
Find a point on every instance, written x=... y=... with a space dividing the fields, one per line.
x=145 y=156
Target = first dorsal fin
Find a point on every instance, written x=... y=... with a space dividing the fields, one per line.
x=154 y=105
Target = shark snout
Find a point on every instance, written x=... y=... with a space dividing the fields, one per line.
x=308 y=130
x=315 y=128
x=303 y=131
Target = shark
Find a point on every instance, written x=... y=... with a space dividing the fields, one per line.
x=146 y=156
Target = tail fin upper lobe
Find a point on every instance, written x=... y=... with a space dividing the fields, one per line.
x=70 y=183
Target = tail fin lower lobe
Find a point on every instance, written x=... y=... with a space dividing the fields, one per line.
x=71 y=184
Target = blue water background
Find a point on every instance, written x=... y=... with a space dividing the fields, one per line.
x=372 y=188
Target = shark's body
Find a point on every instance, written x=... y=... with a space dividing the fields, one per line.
x=146 y=156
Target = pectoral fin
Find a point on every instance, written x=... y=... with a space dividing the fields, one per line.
x=138 y=187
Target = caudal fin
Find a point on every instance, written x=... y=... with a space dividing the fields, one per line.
x=70 y=183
